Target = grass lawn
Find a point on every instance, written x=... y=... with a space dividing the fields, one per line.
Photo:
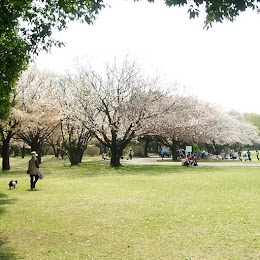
x=93 y=211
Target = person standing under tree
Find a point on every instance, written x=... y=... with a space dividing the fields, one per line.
x=131 y=153
x=33 y=169
x=239 y=155
x=257 y=154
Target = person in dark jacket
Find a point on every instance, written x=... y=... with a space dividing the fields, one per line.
x=33 y=170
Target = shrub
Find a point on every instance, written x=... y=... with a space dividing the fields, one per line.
x=92 y=151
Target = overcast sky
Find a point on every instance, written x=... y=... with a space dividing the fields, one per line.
x=219 y=65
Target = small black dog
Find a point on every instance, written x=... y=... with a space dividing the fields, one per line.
x=12 y=184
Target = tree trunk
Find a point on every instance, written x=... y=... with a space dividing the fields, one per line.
x=173 y=148
x=57 y=155
x=174 y=155
x=23 y=151
x=116 y=154
x=76 y=154
x=55 y=151
x=62 y=154
x=36 y=146
x=146 y=144
x=5 y=155
x=115 y=159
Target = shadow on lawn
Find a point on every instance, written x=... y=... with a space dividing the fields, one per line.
x=146 y=169
x=100 y=168
x=3 y=201
x=6 y=253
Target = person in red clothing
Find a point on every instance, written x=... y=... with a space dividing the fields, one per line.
x=195 y=160
x=33 y=169
x=190 y=158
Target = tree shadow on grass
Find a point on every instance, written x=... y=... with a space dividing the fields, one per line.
x=152 y=170
x=4 y=201
x=6 y=253
x=99 y=168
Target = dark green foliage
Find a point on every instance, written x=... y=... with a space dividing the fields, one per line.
x=26 y=28
x=217 y=11
x=220 y=10
x=39 y=18
x=14 y=57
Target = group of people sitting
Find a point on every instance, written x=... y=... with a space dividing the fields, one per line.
x=190 y=160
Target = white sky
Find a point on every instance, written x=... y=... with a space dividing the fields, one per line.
x=219 y=65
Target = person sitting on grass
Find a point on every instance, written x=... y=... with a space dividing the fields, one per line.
x=185 y=162
x=193 y=160
x=190 y=161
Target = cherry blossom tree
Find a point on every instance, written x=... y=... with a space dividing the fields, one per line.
x=39 y=124
x=117 y=106
x=246 y=132
x=74 y=134
x=182 y=123
x=227 y=129
x=193 y=121
x=30 y=102
x=38 y=108
x=75 y=139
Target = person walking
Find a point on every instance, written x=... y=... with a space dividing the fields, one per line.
x=257 y=154
x=33 y=169
x=249 y=155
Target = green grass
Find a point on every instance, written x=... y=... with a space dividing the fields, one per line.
x=93 y=211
